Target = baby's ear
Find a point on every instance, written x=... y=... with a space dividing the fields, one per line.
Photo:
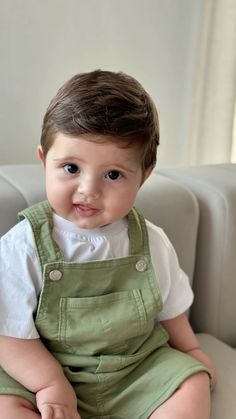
x=41 y=155
x=147 y=173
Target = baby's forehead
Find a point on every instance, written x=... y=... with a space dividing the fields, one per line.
x=120 y=142
x=96 y=148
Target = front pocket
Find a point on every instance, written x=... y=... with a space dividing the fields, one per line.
x=90 y=325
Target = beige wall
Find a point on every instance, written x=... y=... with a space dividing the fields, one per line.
x=44 y=42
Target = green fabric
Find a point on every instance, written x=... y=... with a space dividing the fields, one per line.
x=98 y=320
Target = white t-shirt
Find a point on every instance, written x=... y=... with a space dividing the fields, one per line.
x=21 y=277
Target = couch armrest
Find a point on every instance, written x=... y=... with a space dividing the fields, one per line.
x=214 y=186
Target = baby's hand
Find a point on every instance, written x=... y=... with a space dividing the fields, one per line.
x=204 y=358
x=58 y=412
x=57 y=401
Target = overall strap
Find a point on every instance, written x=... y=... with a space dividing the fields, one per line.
x=40 y=219
x=138 y=235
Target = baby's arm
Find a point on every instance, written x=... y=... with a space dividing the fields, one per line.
x=183 y=338
x=30 y=363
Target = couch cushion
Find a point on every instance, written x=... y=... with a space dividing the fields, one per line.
x=224 y=358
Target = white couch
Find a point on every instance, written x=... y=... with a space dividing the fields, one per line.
x=196 y=206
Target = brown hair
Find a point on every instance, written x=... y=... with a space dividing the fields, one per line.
x=106 y=104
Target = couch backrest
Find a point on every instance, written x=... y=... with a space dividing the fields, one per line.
x=173 y=207
x=20 y=186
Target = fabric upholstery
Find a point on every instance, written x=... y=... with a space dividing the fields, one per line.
x=214 y=186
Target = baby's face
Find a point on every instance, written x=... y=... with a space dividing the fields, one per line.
x=91 y=184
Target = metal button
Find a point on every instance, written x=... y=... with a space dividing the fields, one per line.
x=55 y=275
x=141 y=265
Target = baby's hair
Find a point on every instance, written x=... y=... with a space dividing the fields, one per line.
x=107 y=106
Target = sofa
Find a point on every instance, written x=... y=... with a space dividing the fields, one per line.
x=196 y=206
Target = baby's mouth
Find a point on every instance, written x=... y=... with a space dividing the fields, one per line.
x=85 y=210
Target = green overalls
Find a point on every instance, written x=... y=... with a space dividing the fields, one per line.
x=98 y=320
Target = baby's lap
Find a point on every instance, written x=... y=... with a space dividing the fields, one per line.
x=152 y=376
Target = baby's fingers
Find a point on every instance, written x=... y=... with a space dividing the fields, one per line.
x=47 y=412
x=57 y=412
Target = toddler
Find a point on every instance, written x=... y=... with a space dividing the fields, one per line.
x=93 y=300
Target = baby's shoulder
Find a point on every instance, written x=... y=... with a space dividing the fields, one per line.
x=157 y=236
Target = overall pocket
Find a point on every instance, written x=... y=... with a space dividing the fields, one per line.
x=90 y=325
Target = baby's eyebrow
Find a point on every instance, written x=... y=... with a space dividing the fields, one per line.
x=123 y=168
x=66 y=158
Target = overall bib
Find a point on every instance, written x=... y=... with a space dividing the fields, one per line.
x=98 y=319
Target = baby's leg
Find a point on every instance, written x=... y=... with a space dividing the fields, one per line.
x=190 y=401
x=14 y=407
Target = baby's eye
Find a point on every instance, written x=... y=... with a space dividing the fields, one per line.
x=71 y=168
x=113 y=175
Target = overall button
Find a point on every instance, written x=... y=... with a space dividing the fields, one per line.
x=55 y=275
x=141 y=265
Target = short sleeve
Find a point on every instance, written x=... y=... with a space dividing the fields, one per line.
x=175 y=289
x=20 y=277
